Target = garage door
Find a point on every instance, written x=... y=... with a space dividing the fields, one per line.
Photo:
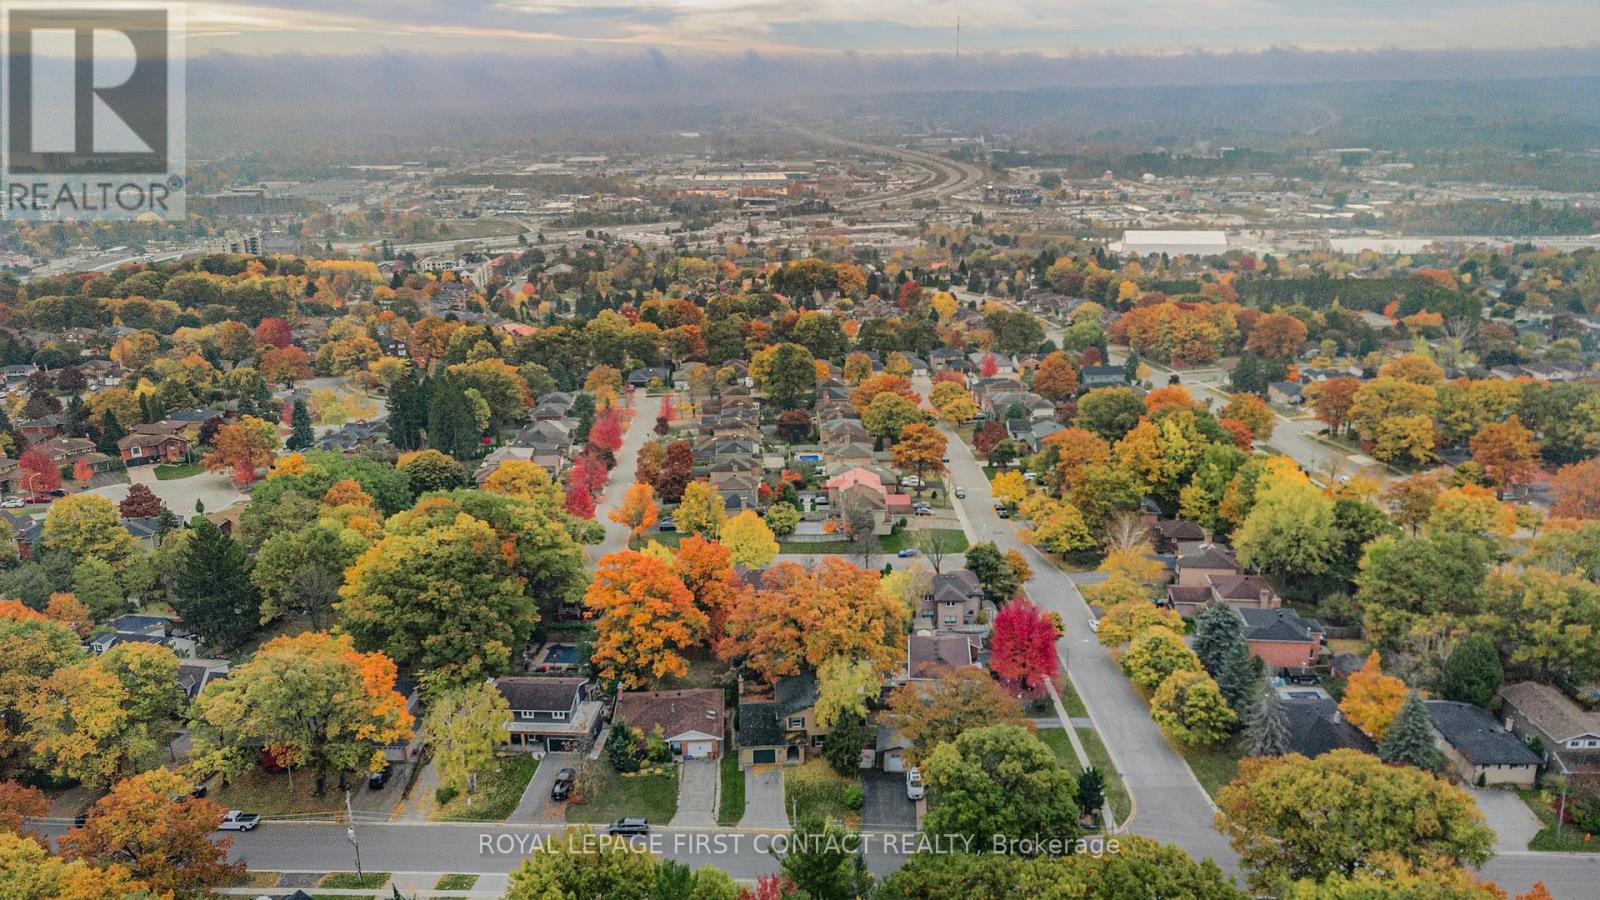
x=894 y=762
x=763 y=756
x=698 y=749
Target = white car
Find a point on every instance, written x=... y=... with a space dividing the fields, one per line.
x=915 y=789
x=911 y=481
x=1094 y=625
x=13 y=503
x=961 y=493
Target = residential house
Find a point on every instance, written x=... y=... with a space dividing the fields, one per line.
x=43 y=428
x=1569 y=735
x=1316 y=726
x=1478 y=749
x=779 y=724
x=861 y=484
x=1286 y=393
x=691 y=721
x=930 y=655
x=1281 y=638
x=157 y=443
x=739 y=489
x=642 y=378
x=954 y=599
x=1180 y=536
x=553 y=714
x=1031 y=433
x=195 y=674
x=1091 y=377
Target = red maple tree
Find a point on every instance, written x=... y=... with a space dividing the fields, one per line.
x=274 y=332
x=40 y=474
x=607 y=430
x=579 y=501
x=989 y=367
x=1023 y=648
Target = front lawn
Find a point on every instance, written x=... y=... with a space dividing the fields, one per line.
x=1573 y=839
x=955 y=540
x=171 y=473
x=814 y=788
x=499 y=790
x=456 y=883
x=731 y=808
x=1116 y=791
x=1214 y=766
x=282 y=794
x=612 y=795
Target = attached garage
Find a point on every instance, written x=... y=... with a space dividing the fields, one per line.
x=698 y=747
x=764 y=757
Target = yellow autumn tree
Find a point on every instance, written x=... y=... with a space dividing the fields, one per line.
x=1372 y=699
x=701 y=511
x=637 y=510
x=749 y=541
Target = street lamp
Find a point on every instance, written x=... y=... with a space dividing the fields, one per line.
x=350 y=835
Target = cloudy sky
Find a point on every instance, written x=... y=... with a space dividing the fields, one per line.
x=884 y=26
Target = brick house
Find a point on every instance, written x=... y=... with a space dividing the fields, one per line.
x=954 y=599
x=158 y=443
x=1281 y=638
x=691 y=721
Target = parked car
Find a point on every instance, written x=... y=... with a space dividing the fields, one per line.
x=1004 y=513
x=562 y=789
x=922 y=509
x=376 y=780
x=911 y=481
x=1094 y=625
x=630 y=825
x=915 y=789
x=39 y=498
x=907 y=553
x=961 y=493
x=235 y=820
x=81 y=819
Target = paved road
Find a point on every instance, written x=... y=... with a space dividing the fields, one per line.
x=625 y=474
x=1169 y=804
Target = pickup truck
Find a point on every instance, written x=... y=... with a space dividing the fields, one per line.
x=238 y=821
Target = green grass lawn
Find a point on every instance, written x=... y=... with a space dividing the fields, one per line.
x=1069 y=697
x=814 y=788
x=1116 y=791
x=731 y=808
x=1572 y=839
x=668 y=539
x=613 y=796
x=1213 y=767
x=499 y=789
x=955 y=540
x=268 y=794
x=352 y=881
x=186 y=470
x=456 y=883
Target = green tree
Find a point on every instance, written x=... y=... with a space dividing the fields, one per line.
x=439 y=598
x=1290 y=531
x=1154 y=654
x=1191 y=708
x=452 y=424
x=1142 y=869
x=1473 y=674
x=465 y=726
x=300 y=435
x=1219 y=642
x=1266 y=730
x=1091 y=794
x=889 y=414
x=843 y=748
x=96 y=586
x=1405 y=582
x=1409 y=741
x=576 y=864
x=214 y=592
x=994 y=572
x=782 y=518
x=430 y=470
x=1110 y=412
x=789 y=377
x=999 y=781
x=1365 y=807
x=299 y=572
x=824 y=860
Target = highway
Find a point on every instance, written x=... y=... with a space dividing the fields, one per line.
x=946 y=177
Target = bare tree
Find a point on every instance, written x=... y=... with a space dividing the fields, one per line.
x=935 y=544
x=860 y=522
x=1127 y=532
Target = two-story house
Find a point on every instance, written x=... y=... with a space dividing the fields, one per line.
x=554 y=714
x=954 y=599
x=1281 y=638
x=779 y=724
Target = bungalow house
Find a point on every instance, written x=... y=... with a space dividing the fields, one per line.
x=134 y=629
x=1179 y=536
x=195 y=674
x=1286 y=393
x=1570 y=737
x=42 y=429
x=157 y=443
x=1316 y=726
x=1031 y=433
x=953 y=599
x=66 y=451
x=930 y=655
x=691 y=721
x=1281 y=638
x=553 y=714
x=642 y=378
x=1478 y=749
x=1091 y=377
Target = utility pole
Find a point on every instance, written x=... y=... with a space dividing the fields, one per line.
x=350 y=834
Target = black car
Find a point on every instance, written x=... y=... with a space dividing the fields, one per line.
x=378 y=779
x=562 y=789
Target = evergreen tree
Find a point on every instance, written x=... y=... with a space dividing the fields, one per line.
x=111 y=431
x=1219 y=642
x=583 y=411
x=1409 y=740
x=1091 y=790
x=215 y=595
x=1473 y=673
x=1266 y=732
x=452 y=428
x=301 y=436
x=408 y=411
x=843 y=749
x=1237 y=676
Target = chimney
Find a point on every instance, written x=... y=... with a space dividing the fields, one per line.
x=1266 y=598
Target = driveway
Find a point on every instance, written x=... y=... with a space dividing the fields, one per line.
x=699 y=780
x=1513 y=823
x=884 y=805
x=763 y=798
x=536 y=805
x=215 y=489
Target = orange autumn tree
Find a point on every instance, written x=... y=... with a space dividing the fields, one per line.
x=1372 y=699
x=1508 y=452
x=244 y=447
x=151 y=825
x=706 y=569
x=643 y=617
x=799 y=617
x=637 y=510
